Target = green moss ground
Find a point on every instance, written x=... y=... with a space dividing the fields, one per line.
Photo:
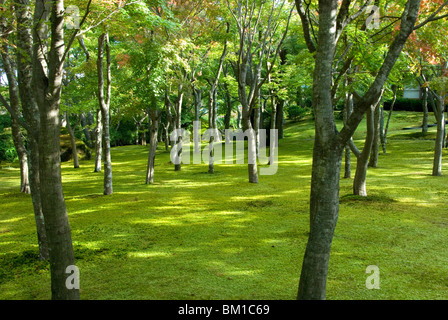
x=193 y=235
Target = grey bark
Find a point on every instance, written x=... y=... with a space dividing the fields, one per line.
x=72 y=140
x=154 y=116
x=440 y=114
x=425 y=111
x=98 y=141
x=85 y=129
x=104 y=101
x=178 y=125
x=329 y=143
x=386 y=128
x=197 y=107
x=48 y=95
x=15 y=125
x=31 y=114
x=373 y=160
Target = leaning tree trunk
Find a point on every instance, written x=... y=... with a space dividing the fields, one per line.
x=348 y=109
x=104 y=106
x=359 y=182
x=154 y=115
x=15 y=126
x=31 y=115
x=386 y=128
x=48 y=97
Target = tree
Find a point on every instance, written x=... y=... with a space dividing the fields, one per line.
x=104 y=102
x=47 y=80
x=257 y=26
x=329 y=142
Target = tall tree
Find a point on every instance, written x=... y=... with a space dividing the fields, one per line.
x=329 y=142
x=104 y=101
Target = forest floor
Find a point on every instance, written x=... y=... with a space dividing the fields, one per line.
x=194 y=235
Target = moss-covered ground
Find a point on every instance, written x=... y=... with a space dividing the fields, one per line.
x=193 y=235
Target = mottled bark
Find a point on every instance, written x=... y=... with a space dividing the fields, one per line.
x=104 y=101
x=31 y=114
x=48 y=96
x=329 y=143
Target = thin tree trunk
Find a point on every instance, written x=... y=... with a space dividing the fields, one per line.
x=373 y=161
x=153 y=141
x=98 y=141
x=347 y=112
x=15 y=126
x=104 y=105
x=280 y=118
x=425 y=111
x=85 y=129
x=197 y=107
x=48 y=96
x=386 y=128
x=178 y=126
x=440 y=113
x=72 y=141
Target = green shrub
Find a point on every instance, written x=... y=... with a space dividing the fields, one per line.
x=7 y=150
x=295 y=112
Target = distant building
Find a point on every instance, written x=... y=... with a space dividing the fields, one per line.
x=413 y=92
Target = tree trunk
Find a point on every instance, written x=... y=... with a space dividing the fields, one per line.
x=329 y=143
x=104 y=106
x=280 y=118
x=31 y=115
x=251 y=148
x=359 y=182
x=15 y=126
x=98 y=141
x=72 y=140
x=324 y=212
x=440 y=113
x=86 y=130
x=373 y=161
x=197 y=107
x=425 y=111
x=386 y=128
x=48 y=96
x=348 y=109
x=178 y=126
x=153 y=141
